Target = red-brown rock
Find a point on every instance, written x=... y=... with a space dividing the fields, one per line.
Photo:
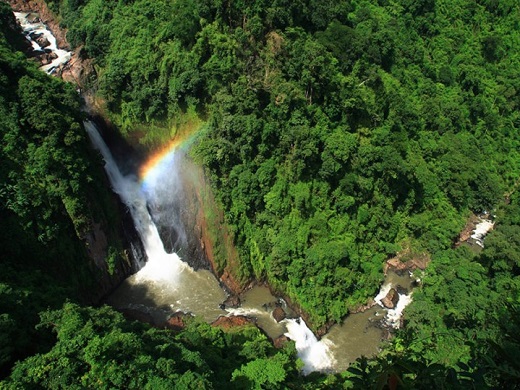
x=391 y=299
x=233 y=301
x=231 y=322
x=279 y=314
x=280 y=341
x=177 y=321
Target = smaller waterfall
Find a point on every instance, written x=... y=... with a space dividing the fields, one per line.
x=393 y=316
x=481 y=230
x=315 y=354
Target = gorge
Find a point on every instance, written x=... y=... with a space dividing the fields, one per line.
x=322 y=163
x=165 y=284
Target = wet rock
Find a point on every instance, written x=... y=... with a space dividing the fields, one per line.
x=401 y=290
x=232 y=322
x=33 y=18
x=391 y=299
x=40 y=39
x=35 y=53
x=233 y=301
x=40 y=9
x=280 y=341
x=177 y=321
x=47 y=58
x=360 y=309
x=279 y=314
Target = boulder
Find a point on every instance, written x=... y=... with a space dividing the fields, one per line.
x=33 y=18
x=231 y=321
x=39 y=39
x=47 y=58
x=391 y=299
x=177 y=321
x=233 y=301
x=42 y=41
x=279 y=314
x=280 y=341
x=401 y=290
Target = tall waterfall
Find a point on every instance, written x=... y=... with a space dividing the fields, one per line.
x=161 y=266
x=165 y=267
x=165 y=284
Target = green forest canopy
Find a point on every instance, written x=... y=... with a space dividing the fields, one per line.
x=358 y=129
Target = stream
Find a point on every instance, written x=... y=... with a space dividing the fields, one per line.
x=165 y=284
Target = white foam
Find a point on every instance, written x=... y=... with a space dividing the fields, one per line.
x=161 y=266
x=242 y=311
x=393 y=316
x=385 y=288
x=481 y=230
x=316 y=355
x=63 y=56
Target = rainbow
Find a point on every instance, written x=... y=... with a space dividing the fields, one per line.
x=162 y=158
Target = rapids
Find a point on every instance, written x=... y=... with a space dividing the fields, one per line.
x=29 y=29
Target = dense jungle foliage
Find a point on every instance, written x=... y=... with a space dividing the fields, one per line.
x=338 y=134
x=356 y=129
x=52 y=191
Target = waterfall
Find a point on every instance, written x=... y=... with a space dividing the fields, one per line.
x=393 y=316
x=164 y=281
x=315 y=354
x=161 y=266
x=481 y=230
x=165 y=284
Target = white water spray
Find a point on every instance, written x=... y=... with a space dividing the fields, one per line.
x=481 y=230
x=165 y=281
x=315 y=354
x=393 y=316
x=161 y=266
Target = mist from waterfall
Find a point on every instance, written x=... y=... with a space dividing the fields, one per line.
x=164 y=284
x=164 y=267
